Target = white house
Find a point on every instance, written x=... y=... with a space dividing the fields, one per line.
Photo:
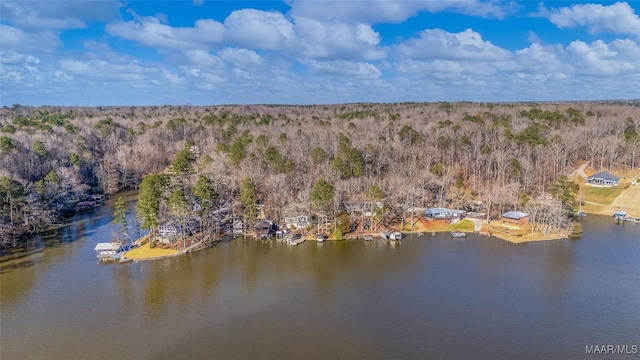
x=603 y=179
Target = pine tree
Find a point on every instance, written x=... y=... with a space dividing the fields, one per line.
x=321 y=195
x=248 y=198
x=120 y=216
x=151 y=190
x=204 y=193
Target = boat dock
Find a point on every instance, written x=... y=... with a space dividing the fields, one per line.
x=622 y=215
x=108 y=251
x=297 y=241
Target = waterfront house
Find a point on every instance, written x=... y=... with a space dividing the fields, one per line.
x=365 y=208
x=515 y=218
x=603 y=179
x=264 y=229
x=296 y=222
x=170 y=232
x=444 y=213
x=238 y=227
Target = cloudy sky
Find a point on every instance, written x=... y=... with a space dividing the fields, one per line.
x=207 y=52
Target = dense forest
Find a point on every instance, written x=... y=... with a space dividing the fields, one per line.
x=301 y=159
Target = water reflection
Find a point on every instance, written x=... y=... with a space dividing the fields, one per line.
x=426 y=295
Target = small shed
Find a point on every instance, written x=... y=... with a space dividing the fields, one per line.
x=603 y=179
x=515 y=217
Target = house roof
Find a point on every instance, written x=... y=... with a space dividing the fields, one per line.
x=107 y=246
x=263 y=225
x=441 y=210
x=604 y=176
x=516 y=215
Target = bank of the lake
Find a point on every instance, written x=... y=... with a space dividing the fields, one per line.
x=426 y=296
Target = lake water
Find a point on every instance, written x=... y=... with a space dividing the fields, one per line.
x=429 y=297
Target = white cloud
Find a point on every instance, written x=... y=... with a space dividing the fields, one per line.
x=355 y=69
x=337 y=40
x=50 y=14
x=259 y=30
x=578 y=70
x=440 y=44
x=15 y=39
x=271 y=57
x=378 y=11
x=203 y=59
x=533 y=38
x=11 y=57
x=149 y=31
x=619 y=18
x=599 y=59
x=172 y=78
x=268 y=30
x=241 y=57
x=105 y=71
x=538 y=59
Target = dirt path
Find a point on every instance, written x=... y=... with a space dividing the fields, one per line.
x=580 y=171
x=477 y=224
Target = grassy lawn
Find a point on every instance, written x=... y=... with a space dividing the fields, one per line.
x=145 y=252
x=600 y=195
x=593 y=209
x=463 y=225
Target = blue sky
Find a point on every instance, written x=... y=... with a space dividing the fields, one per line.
x=208 y=52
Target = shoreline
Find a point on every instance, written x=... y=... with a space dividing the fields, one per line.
x=480 y=227
x=483 y=230
x=145 y=253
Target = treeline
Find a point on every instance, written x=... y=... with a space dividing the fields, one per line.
x=417 y=154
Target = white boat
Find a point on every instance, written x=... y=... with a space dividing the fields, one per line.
x=384 y=235
x=458 y=234
x=396 y=235
x=320 y=238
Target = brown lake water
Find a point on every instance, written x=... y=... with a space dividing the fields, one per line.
x=429 y=297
